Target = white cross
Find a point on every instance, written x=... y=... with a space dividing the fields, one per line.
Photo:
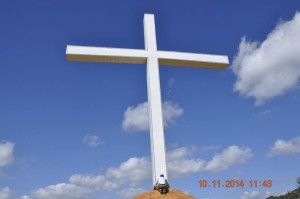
x=152 y=57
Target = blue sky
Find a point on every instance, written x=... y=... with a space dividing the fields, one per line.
x=79 y=130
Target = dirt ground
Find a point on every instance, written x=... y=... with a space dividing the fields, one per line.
x=173 y=194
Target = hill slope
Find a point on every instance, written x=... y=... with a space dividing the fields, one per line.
x=173 y=194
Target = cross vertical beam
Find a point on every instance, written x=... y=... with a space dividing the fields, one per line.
x=157 y=139
x=153 y=58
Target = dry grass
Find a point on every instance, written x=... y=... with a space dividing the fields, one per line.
x=173 y=194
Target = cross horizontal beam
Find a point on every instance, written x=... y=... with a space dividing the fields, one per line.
x=153 y=58
x=137 y=56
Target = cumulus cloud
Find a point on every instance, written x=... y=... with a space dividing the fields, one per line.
x=271 y=68
x=130 y=192
x=25 y=197
x=93 y=182
x=64 y=191
x=86 y=186
x=229 y=157
x=125 y=178
x=171 y=111
x=185 y=167
x=134 y=170
x=92 y=140
x=255 y=195
x=7 y=193
x=6 y=153
x=180 y=162
x=282 y=147
x=136 y=118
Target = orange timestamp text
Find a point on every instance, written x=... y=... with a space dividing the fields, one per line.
x=235 y=184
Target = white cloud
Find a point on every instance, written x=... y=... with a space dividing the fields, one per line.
x=282 y=147
x=170 y=112
x=130 y=192
x=25 y=197
x=64 y=191
x=6 y=153
x=134 y=170
x=94 y=182
x=138 y=170
x=255 y=195
x=180 y=162
x=125 y=178
x=92 y=140
x=231 y=156
x=185 y=167
x=180 y=153
x=271 y=68
x=136 y=118
x=7 y=193
x=86 y=186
